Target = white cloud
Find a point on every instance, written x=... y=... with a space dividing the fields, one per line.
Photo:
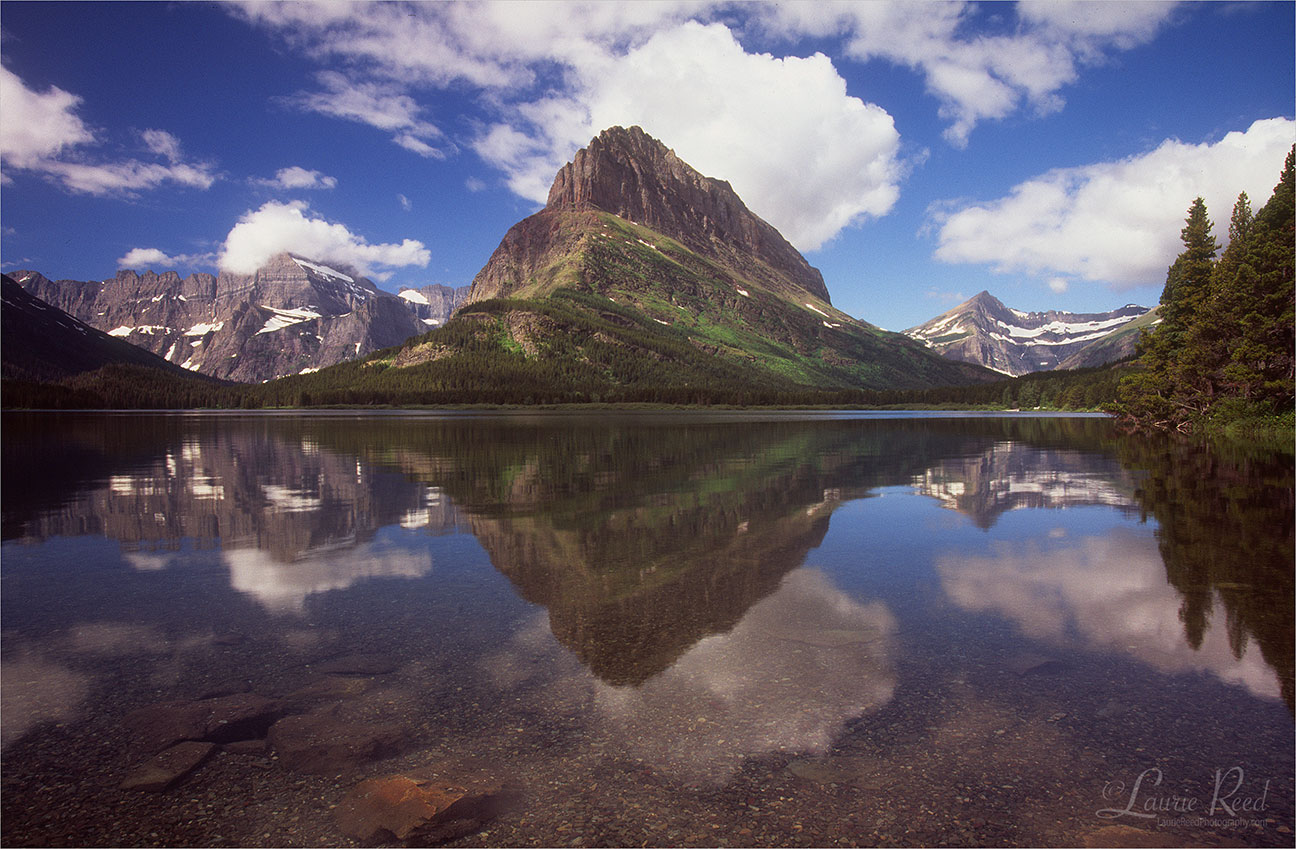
x=296 y=177
x=552 y=75
x=755 y=115
x=378 y=105
x=141 y=258
x=40 y=132
x=405 y=203
x=277 y=227
x=126 y=177
x=556 y=74
x=979 y=77
x=1116 y=222
x=163 y=144
x=37 y=126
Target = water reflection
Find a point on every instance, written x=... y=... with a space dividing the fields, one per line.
x=1107 y=592
x=795 y=606
x=641 y=538
x=1010 y=475
x=1225 y=517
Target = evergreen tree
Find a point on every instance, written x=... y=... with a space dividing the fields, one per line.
x=1225 y=344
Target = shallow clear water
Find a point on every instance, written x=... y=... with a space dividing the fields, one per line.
x=660 y=629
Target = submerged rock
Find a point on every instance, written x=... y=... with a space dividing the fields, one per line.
x=167 y=767
x=359 y=664
x=864 y=772
x=240 y=716
x=1035 y=664
x=330 y=688
x=418 y=810
x=225 y=719
x=322 y=743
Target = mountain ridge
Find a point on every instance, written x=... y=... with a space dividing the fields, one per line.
x=634 y=177
x=41 y=343
x=292 y=314
x=584 y=303
x=982 y=330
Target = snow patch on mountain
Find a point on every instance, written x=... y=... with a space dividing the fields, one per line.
x=285 y=318
x=984 y=331
x=323 y=270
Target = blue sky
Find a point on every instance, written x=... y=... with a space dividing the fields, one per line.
x=917 y=153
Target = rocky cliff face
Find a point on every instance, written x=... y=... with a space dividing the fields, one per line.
x=292 y=315
x=983 y=331
x=433 y=305
x=40 y=342
x=633 y=176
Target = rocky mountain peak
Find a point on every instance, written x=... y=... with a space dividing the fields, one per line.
x=982 y=330
x=632 y=175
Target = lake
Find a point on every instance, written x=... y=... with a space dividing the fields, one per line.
x=674 y=628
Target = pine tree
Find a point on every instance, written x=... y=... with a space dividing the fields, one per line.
x=1225 y=345
x=1259 y=303
x=1188 y=280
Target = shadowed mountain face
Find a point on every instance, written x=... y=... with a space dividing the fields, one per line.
x=983 y=331
x=42 y=343
x=292 y=315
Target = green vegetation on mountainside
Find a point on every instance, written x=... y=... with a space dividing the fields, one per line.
x=622 y=313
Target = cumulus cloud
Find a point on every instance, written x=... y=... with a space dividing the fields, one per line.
x=552 y=75
x=757 y=114
x=615 y=63
x=141 y=258
x=37 y=126
x=1115 y=222
x=296 y=177
x=376 y=104
x=42 y=133
x=277 y=227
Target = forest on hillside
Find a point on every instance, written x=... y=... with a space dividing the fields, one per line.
x=1223 y=353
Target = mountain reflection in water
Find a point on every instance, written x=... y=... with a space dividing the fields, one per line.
x=688 y=593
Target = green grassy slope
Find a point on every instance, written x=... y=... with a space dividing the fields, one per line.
x=616 y=311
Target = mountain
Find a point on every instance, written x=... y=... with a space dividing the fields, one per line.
x=433 y=305
x=291 y=315
x=641 y=279
x=41 y=343
x=982 y=330
x=636 y=178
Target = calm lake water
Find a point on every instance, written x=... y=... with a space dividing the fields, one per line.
x=710 y=629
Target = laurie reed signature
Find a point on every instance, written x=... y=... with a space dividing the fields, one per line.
x=1144 y=802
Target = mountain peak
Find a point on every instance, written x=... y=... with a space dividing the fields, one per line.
x=632 y=175
x=984 y=331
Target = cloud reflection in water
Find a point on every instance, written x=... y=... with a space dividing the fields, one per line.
x=1107 y=592
x=799 y=665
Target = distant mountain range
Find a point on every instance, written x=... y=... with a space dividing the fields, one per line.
x=982 y=330
x=641 y=279
x=292 y=315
